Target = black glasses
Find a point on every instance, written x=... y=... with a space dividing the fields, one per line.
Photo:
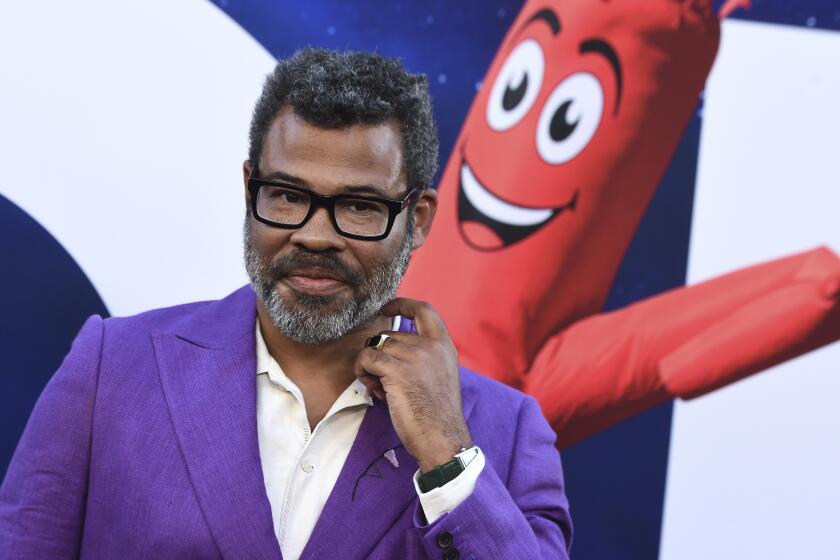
x=284 y=205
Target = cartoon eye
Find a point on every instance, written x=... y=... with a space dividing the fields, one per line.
x=516 y=86
x=570 y=118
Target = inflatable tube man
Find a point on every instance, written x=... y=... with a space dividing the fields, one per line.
x=560 y=154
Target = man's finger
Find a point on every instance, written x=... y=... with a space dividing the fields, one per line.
x=425 y=318
x=401 y=345
x=410 y=339
x=371 y=383
x=374 y=362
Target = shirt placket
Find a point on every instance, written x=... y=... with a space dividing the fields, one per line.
x=308 y=437
x=303 y=423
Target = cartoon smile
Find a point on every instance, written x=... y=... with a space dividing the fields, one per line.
x=488 y=223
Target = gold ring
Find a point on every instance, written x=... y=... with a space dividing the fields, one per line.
x=377 y=341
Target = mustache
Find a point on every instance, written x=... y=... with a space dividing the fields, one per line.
x=303 y=259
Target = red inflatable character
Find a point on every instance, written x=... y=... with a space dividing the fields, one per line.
x=560 y=154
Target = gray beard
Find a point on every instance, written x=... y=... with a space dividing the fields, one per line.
x=312 y=319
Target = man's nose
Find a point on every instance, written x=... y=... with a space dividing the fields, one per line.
x=318 y=233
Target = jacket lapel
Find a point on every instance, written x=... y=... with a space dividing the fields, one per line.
x=208 y=372
x=370 y=492
x=369 y=495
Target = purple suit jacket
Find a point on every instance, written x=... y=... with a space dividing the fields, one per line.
x=144 y=445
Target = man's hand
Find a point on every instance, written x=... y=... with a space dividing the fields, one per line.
x=418 y=376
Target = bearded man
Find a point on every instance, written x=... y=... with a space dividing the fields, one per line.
x=310 y=414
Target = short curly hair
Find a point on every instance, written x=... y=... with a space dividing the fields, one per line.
x=337 y=89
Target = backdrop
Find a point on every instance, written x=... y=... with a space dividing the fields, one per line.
x=124 y=125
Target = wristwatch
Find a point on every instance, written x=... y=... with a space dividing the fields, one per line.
x=447 y=472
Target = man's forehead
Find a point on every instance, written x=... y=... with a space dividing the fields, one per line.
x=358 y=153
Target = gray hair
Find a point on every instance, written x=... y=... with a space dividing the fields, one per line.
x=333 y=89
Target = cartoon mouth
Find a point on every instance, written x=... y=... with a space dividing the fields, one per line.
x=489 y=223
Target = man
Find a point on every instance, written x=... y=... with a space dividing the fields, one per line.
x=359 y=438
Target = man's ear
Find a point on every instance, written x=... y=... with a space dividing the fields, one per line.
x=246 y=175
x=424 y=215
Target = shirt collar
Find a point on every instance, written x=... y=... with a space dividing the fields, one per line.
x=356 y=393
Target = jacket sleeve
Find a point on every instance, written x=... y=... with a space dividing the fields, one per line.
x=42 y=499
x=526 y=517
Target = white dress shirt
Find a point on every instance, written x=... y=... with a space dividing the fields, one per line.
x=301 y=467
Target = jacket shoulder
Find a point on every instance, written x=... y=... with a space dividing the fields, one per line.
x=208 y=323
x=494 y=405
x=502 y=420
x=476 y=387
x=160 y=319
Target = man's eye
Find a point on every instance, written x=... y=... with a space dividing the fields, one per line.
x=362 y=207
x=283 y=196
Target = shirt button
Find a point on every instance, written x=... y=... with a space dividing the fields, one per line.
x=444 y=539
x=306 y=467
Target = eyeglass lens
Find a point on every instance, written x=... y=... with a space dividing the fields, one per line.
x=353 y=215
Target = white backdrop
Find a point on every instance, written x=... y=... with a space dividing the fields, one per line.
x=124 y=127
x=754 y=470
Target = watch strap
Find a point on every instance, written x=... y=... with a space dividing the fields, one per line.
x=442 y=474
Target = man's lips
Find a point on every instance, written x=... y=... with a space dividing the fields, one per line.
x=315 y=281
x=489 y=223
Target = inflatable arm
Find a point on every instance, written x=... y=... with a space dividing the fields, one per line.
x=686 y=342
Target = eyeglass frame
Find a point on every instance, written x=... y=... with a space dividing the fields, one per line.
x=316 y=200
